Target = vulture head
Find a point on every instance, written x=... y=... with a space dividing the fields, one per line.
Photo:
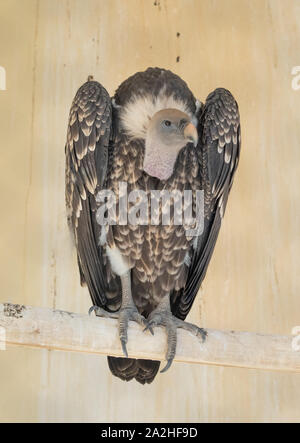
x=168 y=132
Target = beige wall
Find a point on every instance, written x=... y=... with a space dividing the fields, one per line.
x=48 y=48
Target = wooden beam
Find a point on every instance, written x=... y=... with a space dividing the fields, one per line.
x=65 y=331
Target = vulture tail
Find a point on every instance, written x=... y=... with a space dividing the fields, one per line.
x=144 y=371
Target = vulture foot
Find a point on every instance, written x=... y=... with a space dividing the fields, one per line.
x=162 y=316
x=127 y=312
x=124 y=315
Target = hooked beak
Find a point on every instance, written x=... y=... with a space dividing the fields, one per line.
x=190 y=133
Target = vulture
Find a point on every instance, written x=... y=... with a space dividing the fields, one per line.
x=153 y=135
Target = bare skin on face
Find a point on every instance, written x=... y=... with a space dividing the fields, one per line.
x=169 y=131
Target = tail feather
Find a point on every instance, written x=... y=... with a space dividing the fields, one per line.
x=144 y=371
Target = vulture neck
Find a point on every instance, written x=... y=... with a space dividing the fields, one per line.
x=159 y=159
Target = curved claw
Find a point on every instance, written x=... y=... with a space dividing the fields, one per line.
x=123 y=343
x=142 y=321
x=169 y=362
x=203 y=334
x=151 y=330
x=92 y=309
x=148 y=328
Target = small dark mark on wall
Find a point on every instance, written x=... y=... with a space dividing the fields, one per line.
x=177 y=58
x=178 y=34
x=11 y=310
x=157 y=3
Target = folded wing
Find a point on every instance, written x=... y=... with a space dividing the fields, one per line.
x=87 y=147
x=218 y=150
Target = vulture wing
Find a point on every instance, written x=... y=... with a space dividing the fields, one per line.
x=87 y=152
x=219 y=149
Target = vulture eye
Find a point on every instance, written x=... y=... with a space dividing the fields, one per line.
x=167 y=123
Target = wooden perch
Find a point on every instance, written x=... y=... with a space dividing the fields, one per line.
x=65 y=331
